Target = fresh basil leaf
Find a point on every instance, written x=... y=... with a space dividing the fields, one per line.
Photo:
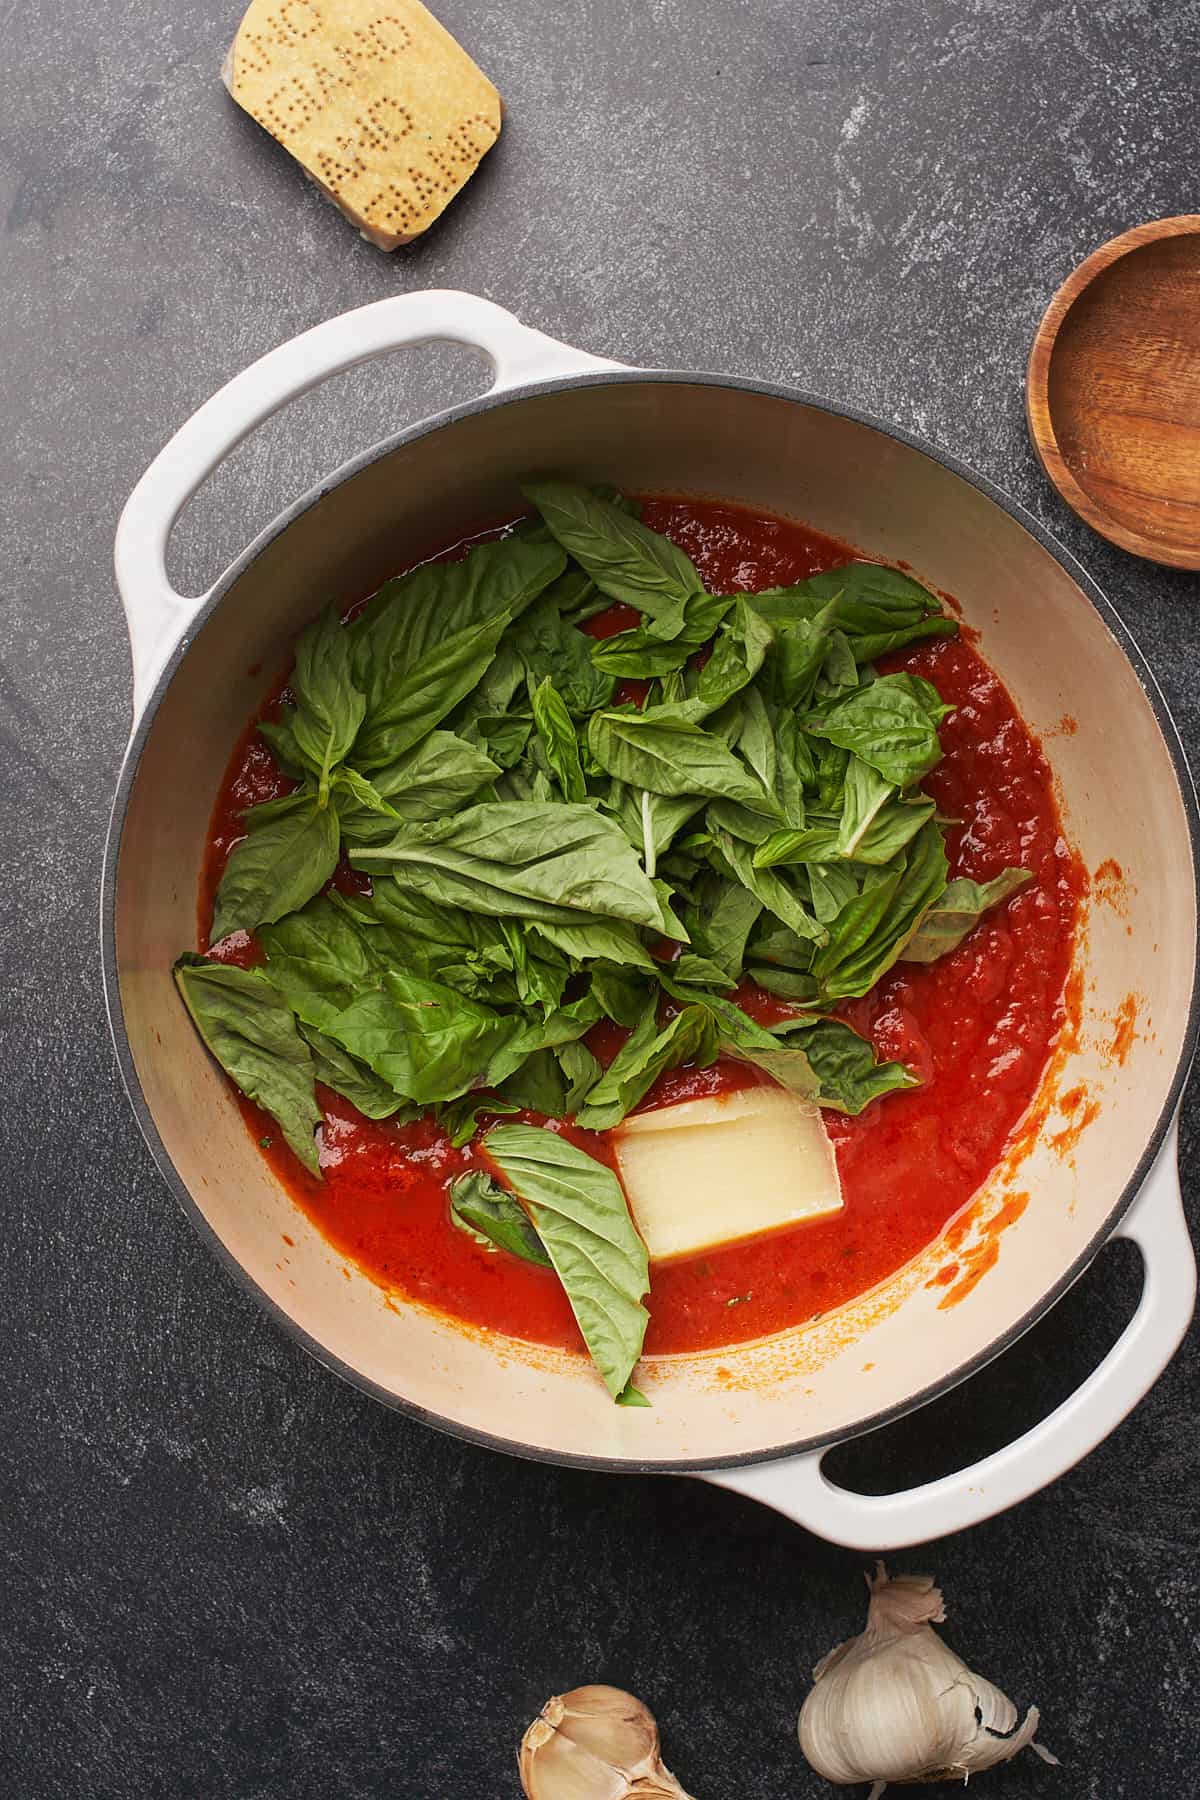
x=251 y=1032
x=425 y=1039
x=741 y=822
x=421 y=699
x=557 y=734
x=364 y=816
x=410 y=620
x=701 y=971
x=540 y=863
x=798 y=653
x=319 y=959
x=864 y=796
x=771 y=890
x=552 y=648
x=538 y=1085
x=890 y=724
x=838 y=668
x=438 y=776
x=540 y=972
x=619 y=993
x=640 y=655
x=353 y=1080
x=563 y=1026
x=459 y=1119
x=493 y=1216
x=671 y=757
x=276 y=869
x=625 y=559
x=844 y=1064
x=581 y=1072
x=689 y=1037
x=594 y=940
x=281 y=740
x=579 y=1211
x=874 y=603
x=651 y=822
x=750 y=1042
x=872 y=930
x=785 y=984
x=957 y=911
x=721 y=921
x=329 y=708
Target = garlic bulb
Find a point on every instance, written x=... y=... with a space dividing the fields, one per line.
x=896 y=1703
x=595 y=1743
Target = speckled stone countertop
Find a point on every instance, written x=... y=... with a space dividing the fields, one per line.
x=224 y=1573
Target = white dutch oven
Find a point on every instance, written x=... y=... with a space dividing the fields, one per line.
x=755 y=1418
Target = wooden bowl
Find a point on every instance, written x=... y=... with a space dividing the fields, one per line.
x=1113 y=391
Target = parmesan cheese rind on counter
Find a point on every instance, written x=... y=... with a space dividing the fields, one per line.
x=374 y=99
x=722 y=1169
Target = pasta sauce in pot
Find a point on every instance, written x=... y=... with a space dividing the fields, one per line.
x=977 y=1027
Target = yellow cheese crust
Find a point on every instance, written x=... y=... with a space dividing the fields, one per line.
x=375 y=100
x=722 y=1169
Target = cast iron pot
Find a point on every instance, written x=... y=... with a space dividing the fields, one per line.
x=755 y=1418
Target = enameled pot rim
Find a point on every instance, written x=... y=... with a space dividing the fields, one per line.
x=426 y=427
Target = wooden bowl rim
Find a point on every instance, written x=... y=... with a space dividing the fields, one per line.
x=1037 y=391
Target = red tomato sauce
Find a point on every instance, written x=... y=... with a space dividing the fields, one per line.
x=978 y=1027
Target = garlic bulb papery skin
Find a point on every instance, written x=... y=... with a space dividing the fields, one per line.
x=595 y=1743
x=896 y=1703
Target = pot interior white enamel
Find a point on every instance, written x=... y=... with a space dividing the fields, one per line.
x=1123 y=803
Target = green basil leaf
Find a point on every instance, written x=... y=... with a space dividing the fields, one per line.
x=251 y=1032
x=838 y=668
x=874 y=602
x=563 y=1026
x=864 y=796
x=721 y=921
x=459 y=1119
x=770 y=889
x=319 y=959
x=625 y=559
x=540 y=863
x=872 y=930
x=551 y=647
x=890 y=724
x=353 y=1080
x=785 y=984
x=957 y=911
x=440 y=775
x=798 y=654
x=690 y=1037
x=329 y=708
x=669 y=756
x=276 y=869
x=364 y=816
x=844 y=1064
x=619 y=993
x=281 y=740
x=557 y=734
x=701 y=971
x=594 y=940
x=640 y=655
x=411 y=620
x=538 y=1085
x=581 y=1072
x=425 y=1039
x=579 y=1211
x=492 y=1216
x=421 y=699
x=651 y=822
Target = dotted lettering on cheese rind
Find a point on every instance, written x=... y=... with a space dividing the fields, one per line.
x=354 y=155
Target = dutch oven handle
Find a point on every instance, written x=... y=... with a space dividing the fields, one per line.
x=158 y=617
x=798 y=1488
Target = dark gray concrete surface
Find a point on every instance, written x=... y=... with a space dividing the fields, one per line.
x=225 y=1574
